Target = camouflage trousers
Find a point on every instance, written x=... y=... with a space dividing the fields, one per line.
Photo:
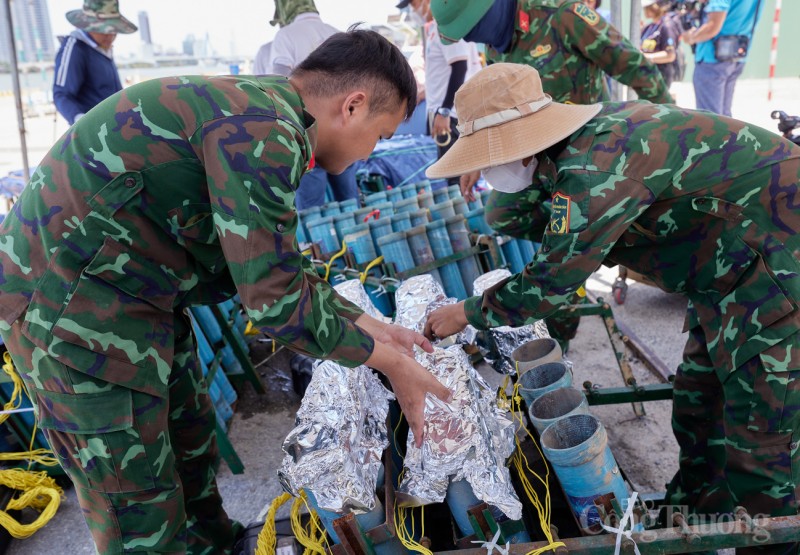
x=525 y=215
x=738 y=436
x=142 y=466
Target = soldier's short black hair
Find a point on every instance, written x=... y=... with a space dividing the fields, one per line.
x=362 y=57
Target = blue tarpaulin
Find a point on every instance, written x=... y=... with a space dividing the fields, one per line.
x=400 y=160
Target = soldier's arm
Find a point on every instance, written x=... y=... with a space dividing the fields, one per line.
x=70 y=73
x=253 y=164
x=603 y=44
x=590 y=212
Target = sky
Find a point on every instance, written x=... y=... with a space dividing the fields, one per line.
x=243 y=23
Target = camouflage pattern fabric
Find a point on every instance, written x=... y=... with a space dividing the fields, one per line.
x=101 y=16
x=173 y=192
x=287 y=10
x=702 y=205
x=142 y=465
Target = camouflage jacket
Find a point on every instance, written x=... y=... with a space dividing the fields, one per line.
x=701 y=204
x=173 y=192
x=571 y=47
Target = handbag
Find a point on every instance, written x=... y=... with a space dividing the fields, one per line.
x=729 y=48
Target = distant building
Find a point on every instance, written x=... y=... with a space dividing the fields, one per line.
x=188 y=45
x=33 y=34
x=144 y=28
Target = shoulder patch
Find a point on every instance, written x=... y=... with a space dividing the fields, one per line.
x=559 y=218
x=586 y=13
x=541 y=50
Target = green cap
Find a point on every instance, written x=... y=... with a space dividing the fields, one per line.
x=101 y=16
x=456 y=18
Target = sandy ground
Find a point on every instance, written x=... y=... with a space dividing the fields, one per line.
x=644 y=447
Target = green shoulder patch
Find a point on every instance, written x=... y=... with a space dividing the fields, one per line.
x=559 y=219
x=586 y=13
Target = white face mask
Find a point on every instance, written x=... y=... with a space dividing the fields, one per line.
x=512 y=177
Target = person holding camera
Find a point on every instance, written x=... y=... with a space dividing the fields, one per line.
x=720 y=45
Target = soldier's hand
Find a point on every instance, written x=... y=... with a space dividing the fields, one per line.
x=395 y=337
x=466 y=182
x=445 y=321
x=410 y=382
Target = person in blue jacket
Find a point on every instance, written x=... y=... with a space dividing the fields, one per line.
x=85 y=72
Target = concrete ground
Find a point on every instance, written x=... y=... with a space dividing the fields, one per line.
x=644 y=446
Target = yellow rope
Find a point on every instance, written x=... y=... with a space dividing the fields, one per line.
x=16 y=395
x=333 y=259
x=520 y=463
x=312 y=536
x=268 y=538
x=363 y=275
x=40 y=492
x=405 y=535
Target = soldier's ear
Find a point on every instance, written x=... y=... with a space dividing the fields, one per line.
x=354 y=105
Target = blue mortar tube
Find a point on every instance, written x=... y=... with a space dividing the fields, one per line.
x=395 y=250
x=577 y=448
x=460 y=498
x=375 y=198
x=459 y=240
x=409 y=190
x=360 y=244
x=442 y=210
x=419 y=217
x=425 y=199
x=476 y=222
x=556 y=404
x=423 y=186
x=453 y=191
x=512 y=255
x=386 y=208
x=543 y=378
x=421 y=250
x=459 y=205
x=526 y=250
x=323 y=234
x=306 y=217
x=440 y=244
x=342 y=222
x=401 y=222
x=394 y=195
x=477 y=203
x=440 y=195
x=378 y=228
x=349 y=205
x=406 y=205
x=330 y=209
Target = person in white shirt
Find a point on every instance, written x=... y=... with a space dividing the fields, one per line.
x=301 y=32
x=446 y=69
x=262 y=64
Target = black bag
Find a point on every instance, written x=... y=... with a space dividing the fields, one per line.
x=731 y=47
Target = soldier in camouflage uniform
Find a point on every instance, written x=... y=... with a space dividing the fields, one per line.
x=572 y=48
x=702 y=205
x=171 y=193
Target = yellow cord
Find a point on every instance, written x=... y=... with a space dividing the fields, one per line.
x=363 y=275
x=16 y=395
x=268 y=538
x=333 y=258
x=405 y=536
x=40 y=492
x=520 y=463
x=312 y=536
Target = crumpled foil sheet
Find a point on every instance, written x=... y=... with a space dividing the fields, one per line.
x=353 y=291
x=468 y=438
x=497 y=344
x=335 y=449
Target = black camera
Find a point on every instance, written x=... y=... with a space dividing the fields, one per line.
x=787 y=124
x=690 y=12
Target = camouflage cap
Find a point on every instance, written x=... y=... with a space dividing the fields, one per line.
x=456 y=18
x=287 y=10
x=101 y=16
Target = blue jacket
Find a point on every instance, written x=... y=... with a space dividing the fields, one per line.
x=85 y=75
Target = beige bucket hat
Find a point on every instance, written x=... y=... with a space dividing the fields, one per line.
x=504 y=116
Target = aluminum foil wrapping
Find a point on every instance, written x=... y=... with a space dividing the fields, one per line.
x=497 y=344
x=354 y=291
x=468 y=438
x=335 y=449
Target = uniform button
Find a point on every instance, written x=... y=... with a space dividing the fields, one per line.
x=793 y=445
x=701 y=201
x=280 y=228
x=130 y=182
x=545 y=248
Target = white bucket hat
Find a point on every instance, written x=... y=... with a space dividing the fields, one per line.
x=504 y=116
